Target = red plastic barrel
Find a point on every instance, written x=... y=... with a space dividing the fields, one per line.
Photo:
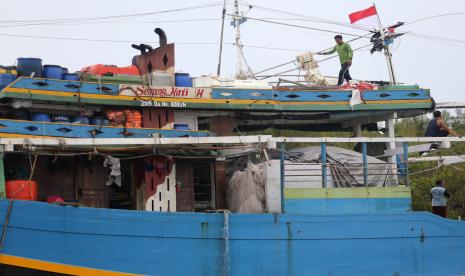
x=21 y=189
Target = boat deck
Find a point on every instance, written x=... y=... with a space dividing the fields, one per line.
x=216 y=98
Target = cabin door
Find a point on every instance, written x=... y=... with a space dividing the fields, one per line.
x=185 y=186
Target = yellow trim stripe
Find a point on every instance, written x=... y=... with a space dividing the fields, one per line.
x=219 y=101
x=55 y=267
x=15 y=135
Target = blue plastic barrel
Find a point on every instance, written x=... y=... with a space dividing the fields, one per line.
x=181 y=126
x=70 y=76
x=183 y=79
x=27 y=66
x=52 y=72
x=64 y=70
x=99 y=121
x=6 y=79
x=76 y=119
x=40 y=117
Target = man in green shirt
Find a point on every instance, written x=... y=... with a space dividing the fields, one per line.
x=345 y=56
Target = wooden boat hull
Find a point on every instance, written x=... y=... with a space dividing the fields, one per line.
x=78 y=240
x=48 y=90
x=9 y=128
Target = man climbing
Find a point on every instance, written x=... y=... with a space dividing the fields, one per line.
x=439 y=196
x=345 y=57
x=438 y=128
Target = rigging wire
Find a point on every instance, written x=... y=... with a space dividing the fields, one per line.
x=292 y=61
x=298 y=68
x=148 y=42
x=153 y=42
x=433 y=16
x=451 y=41
x=309 y=18
x=438 y=38
x=249 y=70
x=299 y=26
x=376 y=67
x=84 y=19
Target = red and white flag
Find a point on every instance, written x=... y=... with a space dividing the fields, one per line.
x=367 y=17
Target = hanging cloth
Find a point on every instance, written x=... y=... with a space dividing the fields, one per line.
x=115 y=173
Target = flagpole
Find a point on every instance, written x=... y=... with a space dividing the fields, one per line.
x=387 y=52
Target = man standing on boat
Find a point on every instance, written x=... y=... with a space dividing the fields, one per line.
x=439 y=196
x=345 y=53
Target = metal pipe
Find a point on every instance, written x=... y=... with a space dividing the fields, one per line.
x=282 y=176
x=323 y=165
x=365 y=164
x=407 y=180
x=218 y=70
x=162 y=36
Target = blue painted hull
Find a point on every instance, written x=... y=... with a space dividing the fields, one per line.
x=68 y=130
x=237 y=244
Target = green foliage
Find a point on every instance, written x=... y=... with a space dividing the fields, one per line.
x=423 y=179
x=423 y=182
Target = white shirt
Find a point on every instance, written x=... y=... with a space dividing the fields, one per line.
x=439 y=198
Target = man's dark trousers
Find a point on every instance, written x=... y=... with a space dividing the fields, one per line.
x=344 y=74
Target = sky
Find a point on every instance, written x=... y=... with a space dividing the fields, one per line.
x=434 y=64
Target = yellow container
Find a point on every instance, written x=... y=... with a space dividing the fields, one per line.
x=8 y=71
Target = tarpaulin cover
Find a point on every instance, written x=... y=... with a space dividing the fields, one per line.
x=246 y=190
x=345 y=167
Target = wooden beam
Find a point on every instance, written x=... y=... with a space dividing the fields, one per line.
x=450 y=105
x=365 y=139
x=265 y=139
x=444 y=160
x=52 y=141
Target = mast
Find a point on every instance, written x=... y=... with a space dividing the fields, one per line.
x=387 y=52
x=218 y=70
x=237 y=23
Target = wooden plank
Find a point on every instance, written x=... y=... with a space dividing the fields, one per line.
x=66 y=86
x=91 y=182
x=365 y=139
x=185 y=201
x=444 y=160
x=362 y=192
x=88 y=131
x=220 y=185
x=450 y=105
x=265 y=139
x=411 y=149
x=377 y=95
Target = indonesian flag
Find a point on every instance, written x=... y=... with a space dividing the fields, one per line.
x=365 y=17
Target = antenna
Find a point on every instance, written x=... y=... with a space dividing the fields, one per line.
x=218 y=70
x=387 y=52
x=237 y=22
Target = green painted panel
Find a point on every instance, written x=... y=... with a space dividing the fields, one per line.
x=362 y=192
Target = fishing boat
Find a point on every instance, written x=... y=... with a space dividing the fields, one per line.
x=157 y=181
